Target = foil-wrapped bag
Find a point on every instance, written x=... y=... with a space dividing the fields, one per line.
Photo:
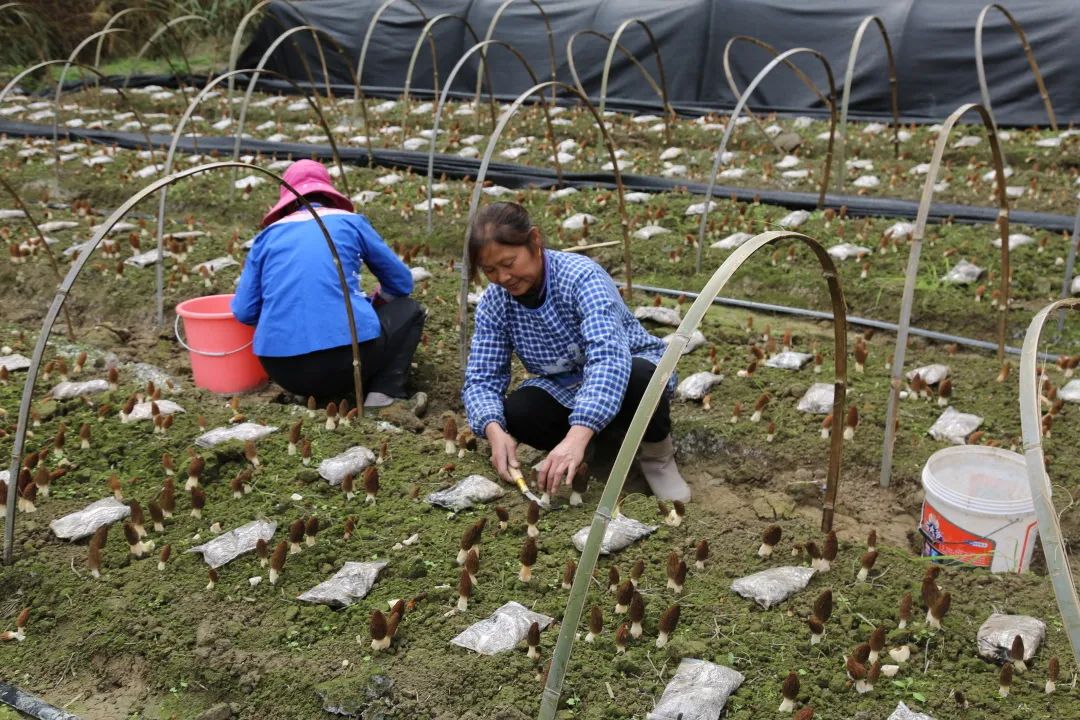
x=215 y=265
x=466 y=493
x=903 y=712
x=697 y=339
x=242 y=432
x=67 y=390
x=1071 y=391
x=621 y=532
x=236 y=542
x=769 y=587
x=351 y=583
x=698 y=691
x=995 y=637
x=144 y=410
x=818 y=399
x=695 y=386
x=789 y=360
x=351 y=462
x=84 y=522
x=899 y=231
x=732 y=241
x=931 y=374
x=14 y=362
x=144 y=259
x=661 y=315
x=843 y=251
x=793 y=219
x=146 y=372
x=962 y=273
x=501 y=631
x=954 y=426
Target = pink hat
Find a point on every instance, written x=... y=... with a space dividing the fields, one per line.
x=306 y=176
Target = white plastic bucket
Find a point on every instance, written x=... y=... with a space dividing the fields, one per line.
x=978 y=508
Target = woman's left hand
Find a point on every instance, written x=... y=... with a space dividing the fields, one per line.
x=563 y=461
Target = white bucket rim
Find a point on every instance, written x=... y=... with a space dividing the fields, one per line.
x=967 y=503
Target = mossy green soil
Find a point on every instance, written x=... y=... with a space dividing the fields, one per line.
x=144 y=643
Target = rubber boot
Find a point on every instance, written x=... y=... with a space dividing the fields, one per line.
x=657 y=461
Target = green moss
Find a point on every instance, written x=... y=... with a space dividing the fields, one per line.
x=187 y=648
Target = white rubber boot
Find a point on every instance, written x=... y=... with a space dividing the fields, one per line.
x=657 y=461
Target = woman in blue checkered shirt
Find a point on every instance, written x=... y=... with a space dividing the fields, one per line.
x=589 y=358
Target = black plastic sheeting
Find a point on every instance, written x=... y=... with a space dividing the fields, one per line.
x=934 y=44
x=518 y=176
x=31 y=705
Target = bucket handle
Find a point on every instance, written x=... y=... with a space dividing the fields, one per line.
x=176 y=331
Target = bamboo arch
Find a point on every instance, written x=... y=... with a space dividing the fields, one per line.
x=358 y=93
x=669 y=113
x=849 y=74
x=659 y=88
x=113 y=19
x=1070 y=264
x=16 y=8
x=645 y=409
x=171 y=154
x=258 y=69
x=1049 y=528
x=238 y=36
x=442 y=103
x=474 y=201
x=733 y=86
x=983 y=88
x=72 y=275
x=167 y=28
x=729 y=128
x=56 y=131
x=60 y=83
x=44 y=244
x=913 y=267
x=425 y=33
x=491 y=32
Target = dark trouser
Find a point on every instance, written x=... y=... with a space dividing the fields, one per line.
x=535 y=418
x=384 y=361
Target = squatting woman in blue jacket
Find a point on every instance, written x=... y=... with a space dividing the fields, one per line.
x=589 y=358
x=290 y=291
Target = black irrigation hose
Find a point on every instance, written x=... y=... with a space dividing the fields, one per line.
x=851 y=319
x=32 y=705
x=518 y=176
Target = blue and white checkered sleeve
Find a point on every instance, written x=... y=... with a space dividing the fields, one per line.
x=607 y=353
x=487 y=373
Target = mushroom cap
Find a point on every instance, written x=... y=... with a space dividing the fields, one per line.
x=790 y=687
x=670 y=619
x=377 y=625
x=596 y=620
x=528 y=552
x=823 y=606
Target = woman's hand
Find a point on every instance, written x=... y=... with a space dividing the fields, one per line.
x=562 y=463
x=503 y=450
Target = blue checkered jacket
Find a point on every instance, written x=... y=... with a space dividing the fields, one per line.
x=578 y=345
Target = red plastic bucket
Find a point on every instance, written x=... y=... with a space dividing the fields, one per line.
x=219 y=345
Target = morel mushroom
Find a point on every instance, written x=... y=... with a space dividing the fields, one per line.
x=371 y=484
x=528 y=559
x=596 y=623
x=277 y=561
x=668 y=621
x=769 y=540
x=790 y=692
